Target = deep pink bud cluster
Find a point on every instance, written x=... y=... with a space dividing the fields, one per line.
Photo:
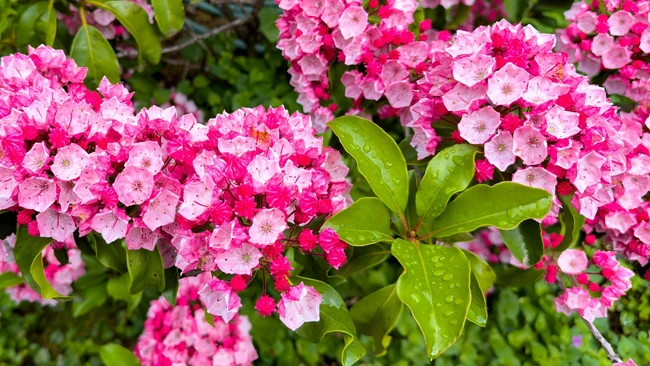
x=59 y=276
x=180 y=334
x=591 y=298
x=612 y=37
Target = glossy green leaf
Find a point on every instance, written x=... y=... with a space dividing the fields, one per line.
x=119 y=289
x=171 y=285
x=136 y=21
x=525 y=242
x=26 y=29
x=114 y=354
x=334 y=318
x=169 y=15
x=411 y=213
x=449 y=172
x=484 y=273
x=365 y=222
x=435 y=285
x=316 y=268
x=146 y=269
x=9 y=279
x=572 y=223
x=92 y=297
x=110 y=255
x=90 y=49
x=376 y=315
x=378 y=157
x=477 y=312
x=503 y=205
x=364 y=257
x=27 y=253
x=61 y=256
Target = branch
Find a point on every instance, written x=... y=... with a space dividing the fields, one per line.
x=194 y=39
x=613 y=356
x=603 y=342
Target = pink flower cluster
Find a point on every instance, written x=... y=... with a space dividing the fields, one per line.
x=588 y=297
x=175 y=335
x=375 y=37
x=59 y=276
x=610 y=35
x=219 y=196
x=103 y=20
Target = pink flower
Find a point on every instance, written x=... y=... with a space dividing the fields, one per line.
x=616 y=57
x=507 y=85
x=161 y=210
x=37 y=194
x=112 y=224
x=529 y=145
x=69 y=162
x=265 y=305
x=146 y=155
x=267 y=226
x=299 y=304
x=499 y=150
x=220 y=300
x=473 y=69
x=572 y=261
x=55 y=225
x=399 y=94
x=561 y=123
x=36 y=158
x=477 y=127
x=134 y=185
x=353 y=21
x=537 y=178
x=620 y=23
x=241 y=260
x=629 y=362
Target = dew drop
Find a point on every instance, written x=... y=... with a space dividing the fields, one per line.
x=447 y=277
x=449 y=298
x=448 y=313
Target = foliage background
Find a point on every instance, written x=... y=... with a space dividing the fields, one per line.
x=244 y=69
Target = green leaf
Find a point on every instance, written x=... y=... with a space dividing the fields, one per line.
x=435 y=285
x=460 y=17
x=171 y=285
x=477 y=312
x=378 y=157
x=316 y=268
x=364 y=257
x=365 y=222
x=114 y=354
x=146 y=269
x=90 y=49
x=411 y=213
x=572 y=223
x=49 y=19
x=27 y=253
x=267 y=17
x=61 y=255
x=10 y=279
x=525 y=242
x=136 y=21
x=118 y=288
x=449 y=172
x=376 y=315
x=484 y=273
x=503 y=205
x=516 y=277
x=93 y=297
x=26 y=29
x=169 y=15
x=335 y=73
x=208 y=317
x=515 y=9
x=110 y=255
x=334 y=317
